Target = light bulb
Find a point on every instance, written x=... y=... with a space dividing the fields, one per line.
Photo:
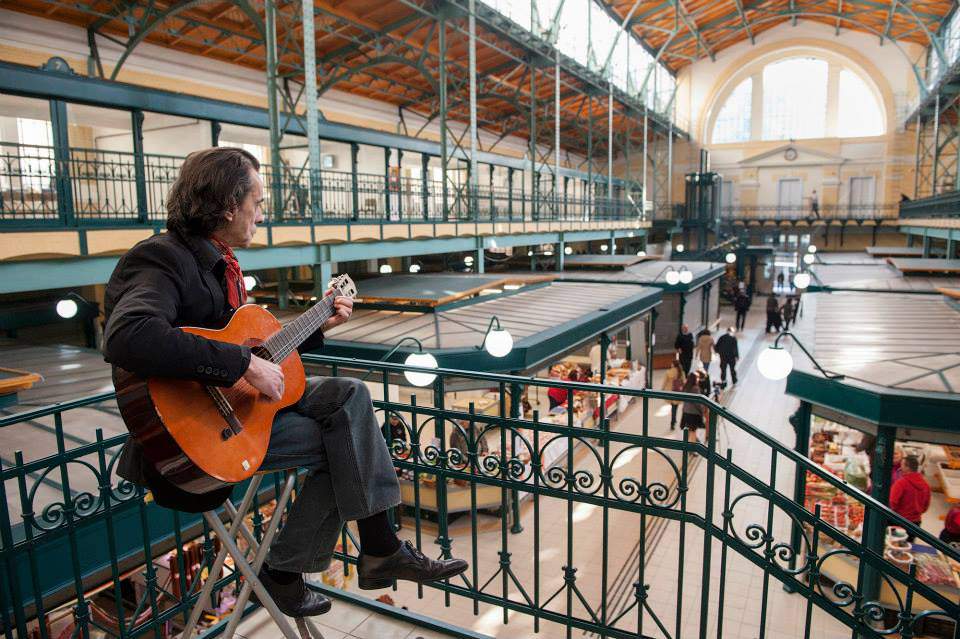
x=672 y=277
x=812 y=248
x=641 y=253
x=423 y=360
x=498 y=343
x=386 y=269
x=414 y=268
x=686 y=276
x=67 y=309
x=801 y=280
x=808 y=259
x=547 y=253
x=529 y=253
x=468 y=260
x=775 y=363
x=731 y=258
x=568 y=250
x=679 y=248
x=604 y=247
x=249 y=282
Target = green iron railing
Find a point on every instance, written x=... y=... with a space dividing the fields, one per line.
x=561 y=495
x=96 y=187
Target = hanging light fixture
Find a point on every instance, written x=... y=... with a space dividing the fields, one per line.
x=568 y=250
x=250 y=282
x=641 y=253
x=414 y=268
x=386 y=269
x=776 y=363
x=801 y=280
x=67 y=308
x=731 y=257
x=679 y=248
x=497 y=341
x=812 y=248
x=468 y=260
x=808 y=259
x=686 y=275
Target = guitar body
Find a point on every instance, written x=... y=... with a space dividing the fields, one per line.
x=180 y=428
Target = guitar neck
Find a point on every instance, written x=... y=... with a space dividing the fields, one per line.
x=287 y=339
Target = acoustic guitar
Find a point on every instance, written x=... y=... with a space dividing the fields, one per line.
x=202 y=437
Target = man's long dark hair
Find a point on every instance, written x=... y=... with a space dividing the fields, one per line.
x=211 y=183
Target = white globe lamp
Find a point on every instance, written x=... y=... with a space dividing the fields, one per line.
x=498 y=343
x=812 y=248
x=529 y=253
x=731 y=258
x=423 y=360
x=672 y=277
x=775 y=363
x=679 y=248
x=67 y=309
x=641 y=253
x=808 y=259
x=414 y=268
x=801 y=280
x=603 y=248
x=249 y=282
x=568 y=250
x=468 y=260
x=686 y=276
x=386 y=269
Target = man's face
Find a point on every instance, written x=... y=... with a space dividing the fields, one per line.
x=684 y=329
x=242 y=221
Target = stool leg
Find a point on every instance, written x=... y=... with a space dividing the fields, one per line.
x=244 y=595
x=221 y=556
x=307 y=629
x=251 y=576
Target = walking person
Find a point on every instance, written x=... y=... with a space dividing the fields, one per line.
x=705 y=346
x=684 y=347
x=741 y=304
x=674 y=381
x=815 y=204
x=729 y=353
x=773 y=313
x=693 y=414
x=789 y=312
x=780 y=279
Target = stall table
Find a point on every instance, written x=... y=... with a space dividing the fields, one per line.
x=12 y=381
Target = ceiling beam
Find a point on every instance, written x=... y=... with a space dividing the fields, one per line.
x=890 y=14
x=743 y=19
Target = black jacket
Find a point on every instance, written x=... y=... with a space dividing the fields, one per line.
x=162 y=283
x=741 y=302
x=727 y=347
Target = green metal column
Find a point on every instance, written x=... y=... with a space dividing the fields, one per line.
x=273 y=108
x=604 y=345
x=473 y=185
x=561 y=254
x=425 y=184
x=139 y=170
x=801 y=426
x=283 y=288
x=589 y=213
x=215 y=129
x=566 y=198
x=322 y=274
x=651 y=339
x=354 y=179
x=613 y=243
x=481 y=268
x=510 y=192
x=493 y=210
x=926 y=244
x=312 y=112
x=400 y=191
x=61 y=156
x=534 y=205
x=386 y=184
x=875 y=524
x=444 y=151
x=683 y=306
x=936 y=145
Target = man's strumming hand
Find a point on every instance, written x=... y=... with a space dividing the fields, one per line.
x=265 y=376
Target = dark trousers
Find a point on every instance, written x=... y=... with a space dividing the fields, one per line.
x=686 y=360
x=732 y=365
x=786 y=323
x=333 y=432
x=741 y=320
x=773 y=321
x=673 y=414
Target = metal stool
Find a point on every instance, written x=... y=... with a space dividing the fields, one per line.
x=249 y=569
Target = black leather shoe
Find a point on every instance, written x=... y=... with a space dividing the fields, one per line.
x=294 y=599
x=407 y=563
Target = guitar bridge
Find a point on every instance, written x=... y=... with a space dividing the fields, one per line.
x=226 y=411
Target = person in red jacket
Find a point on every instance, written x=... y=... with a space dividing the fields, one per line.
x=910 y=495
x=951 y=527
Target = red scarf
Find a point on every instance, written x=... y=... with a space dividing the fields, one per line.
x=236 y=290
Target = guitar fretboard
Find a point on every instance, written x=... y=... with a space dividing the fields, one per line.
x=284 y=341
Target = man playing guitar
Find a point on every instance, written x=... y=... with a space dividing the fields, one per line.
x=190 y=277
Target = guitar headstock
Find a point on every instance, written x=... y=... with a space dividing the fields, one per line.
x=343 y=286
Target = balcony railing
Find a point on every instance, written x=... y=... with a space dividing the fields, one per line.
x=938 y=206
x=827 y=212
x=559 y=490
x=93 y=187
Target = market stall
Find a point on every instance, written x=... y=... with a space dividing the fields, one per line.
x=894 y=368
x=556 y=328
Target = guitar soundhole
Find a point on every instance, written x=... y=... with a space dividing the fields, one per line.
x=261 y=351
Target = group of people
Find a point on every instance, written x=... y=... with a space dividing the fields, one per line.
x=683 y=377
x=780 y=315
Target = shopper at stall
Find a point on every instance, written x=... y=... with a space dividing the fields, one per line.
x=910 y=495
x=674 y=381
x=951 y=526
x=741 y=304
x=461 y=435
x=693 y=414
x=773 y=313
x=729 y=353
x=684 y=346
x=557 y=396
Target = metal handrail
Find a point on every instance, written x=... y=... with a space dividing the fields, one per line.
x=30 y=549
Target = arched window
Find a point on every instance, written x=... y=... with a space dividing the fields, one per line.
x=734 y=120
x=859 y=114
x=795 y=99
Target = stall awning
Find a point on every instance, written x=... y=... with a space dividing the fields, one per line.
x=650 y=274
x=878 y=277
x=907 y=265
x=432 y=290
x=546 y=319
x=606 y=261
x=899 y=353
